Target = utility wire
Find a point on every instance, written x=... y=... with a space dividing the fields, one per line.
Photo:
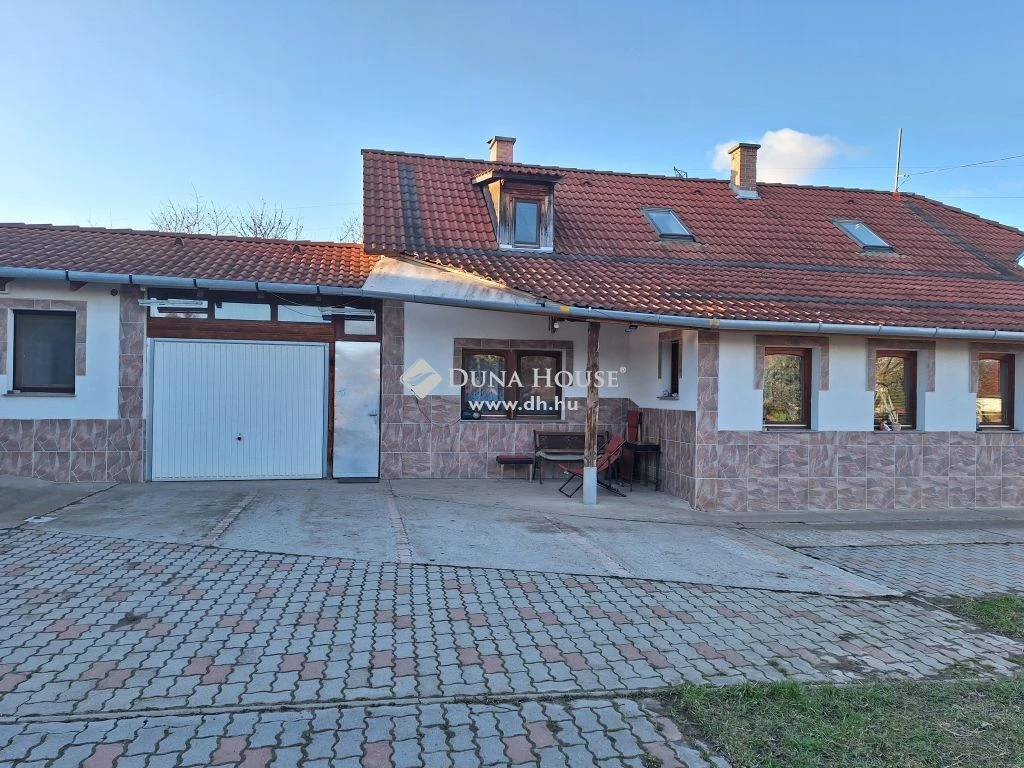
x=965 y=165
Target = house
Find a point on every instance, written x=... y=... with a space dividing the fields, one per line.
x=129 y=355
x=789 y=347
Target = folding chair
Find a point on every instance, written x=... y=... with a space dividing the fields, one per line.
x=611 y=454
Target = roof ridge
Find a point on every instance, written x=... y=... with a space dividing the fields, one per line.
x=159 y=233
x=600 y=172
x=484 y=163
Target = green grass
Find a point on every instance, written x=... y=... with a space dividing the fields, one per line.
x=871 y=725
x=1000 y=613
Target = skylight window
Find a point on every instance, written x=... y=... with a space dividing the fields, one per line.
x=667 y=224
x=863 y=235
x=1020 y=259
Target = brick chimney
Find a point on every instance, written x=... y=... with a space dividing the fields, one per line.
x=501 y=149
x=743 y=175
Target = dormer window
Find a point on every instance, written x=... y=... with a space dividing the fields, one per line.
x=522 y=206
x=862 y=234
x=667 y=224
x=526 y=227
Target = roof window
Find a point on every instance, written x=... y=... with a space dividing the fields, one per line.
x=862 y=234
x=1020 y=259
x=667 y=224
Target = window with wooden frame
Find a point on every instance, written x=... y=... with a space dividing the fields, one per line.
x=787 y=388
x=526 y=223
x=44 y=352
x=995 y=391
x=895 y=390
x=525 y=216
x=511 y=384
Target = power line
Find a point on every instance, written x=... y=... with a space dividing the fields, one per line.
x=967 y=165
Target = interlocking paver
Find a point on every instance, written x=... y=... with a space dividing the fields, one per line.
x=935 y=569
x=92 y=626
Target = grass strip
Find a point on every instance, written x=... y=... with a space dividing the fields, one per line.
x=865 y=725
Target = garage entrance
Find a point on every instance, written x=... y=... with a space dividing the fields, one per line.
x=238 y=410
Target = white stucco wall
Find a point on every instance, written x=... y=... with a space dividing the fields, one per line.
x=847 y=404
x=430 y=331
x=952 y=406
x=645 y=386
x=739 y=403
x=95 y=393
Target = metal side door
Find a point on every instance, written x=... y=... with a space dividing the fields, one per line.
x=357 y=410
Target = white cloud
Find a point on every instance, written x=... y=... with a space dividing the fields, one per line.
x=786 y=155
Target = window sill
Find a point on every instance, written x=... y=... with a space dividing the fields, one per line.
x=527 y=248
x=785 y=428
x=14 y=393
x=668 y=397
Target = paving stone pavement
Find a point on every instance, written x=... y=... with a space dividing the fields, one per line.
x=935 y=569
x=593 y=732
x=106 y=644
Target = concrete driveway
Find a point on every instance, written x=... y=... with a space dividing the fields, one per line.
x=512 y=525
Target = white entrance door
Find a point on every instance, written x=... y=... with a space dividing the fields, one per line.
x=357 y=410
x=224 y=410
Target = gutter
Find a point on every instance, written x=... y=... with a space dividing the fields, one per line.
x=537 y=307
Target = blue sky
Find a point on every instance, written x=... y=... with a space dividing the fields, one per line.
x=111 y=108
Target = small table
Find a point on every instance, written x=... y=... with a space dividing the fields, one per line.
x=516 y=460
x=647 y=450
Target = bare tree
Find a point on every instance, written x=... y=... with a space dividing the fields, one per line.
x=265 y=221
x=193 y=217
x=352 y=229
x=201 y=216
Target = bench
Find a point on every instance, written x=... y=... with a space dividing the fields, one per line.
x=559 y=448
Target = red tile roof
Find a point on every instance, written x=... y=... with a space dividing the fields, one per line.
x=777 y=258
x=210 y=257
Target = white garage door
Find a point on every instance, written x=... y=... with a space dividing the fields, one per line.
x=226 y=410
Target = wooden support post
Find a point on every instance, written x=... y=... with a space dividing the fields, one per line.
x=590 y=442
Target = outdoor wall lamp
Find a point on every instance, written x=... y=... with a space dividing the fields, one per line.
x=349 y=313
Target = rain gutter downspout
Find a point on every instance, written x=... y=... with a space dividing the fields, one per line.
x=539 y=307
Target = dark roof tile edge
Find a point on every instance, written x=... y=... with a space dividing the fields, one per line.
x=158 y=233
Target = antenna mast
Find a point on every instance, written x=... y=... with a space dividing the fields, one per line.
x=899 y=147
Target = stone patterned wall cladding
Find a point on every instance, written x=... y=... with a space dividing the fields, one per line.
x=81 y=321
x=676 y=432
x=798 y=471
x=80 y=450
x=769 y=471
x=428 y=438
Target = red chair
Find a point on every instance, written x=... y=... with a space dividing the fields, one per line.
x=611 y=454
